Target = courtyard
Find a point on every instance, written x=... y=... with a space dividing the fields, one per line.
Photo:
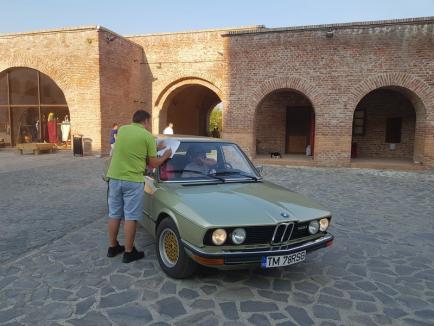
x=53 y=269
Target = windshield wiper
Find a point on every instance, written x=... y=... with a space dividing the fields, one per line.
x=199 y=173
x=238 y=173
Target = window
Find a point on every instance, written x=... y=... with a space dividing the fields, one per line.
x=393 y=130
x=207 y=161
x=27 y=99
x=359 y=122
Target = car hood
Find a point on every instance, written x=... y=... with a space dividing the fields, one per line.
x=242 y=204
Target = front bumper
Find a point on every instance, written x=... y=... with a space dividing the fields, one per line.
x=248 y=257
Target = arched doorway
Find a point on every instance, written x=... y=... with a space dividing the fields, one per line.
x=215 y=124
x=189 y=107
x=32 y=109
x=285 y=124
x=384 y=126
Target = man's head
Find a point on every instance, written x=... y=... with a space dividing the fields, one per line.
x=198 y=153
x=115 y=126
x=171 y=125
x=142 y=117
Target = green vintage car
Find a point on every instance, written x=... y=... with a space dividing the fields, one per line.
x=209 y=205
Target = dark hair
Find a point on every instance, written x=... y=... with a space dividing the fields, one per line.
x=141 y=116
x=115 y=124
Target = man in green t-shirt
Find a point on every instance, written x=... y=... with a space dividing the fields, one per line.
x=135 y=148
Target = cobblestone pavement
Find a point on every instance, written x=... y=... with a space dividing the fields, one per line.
x=53 y=269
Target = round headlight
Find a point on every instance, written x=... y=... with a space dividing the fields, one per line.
x=238 y=236
x=313 y=227
x=219 y=237
x=323 y=224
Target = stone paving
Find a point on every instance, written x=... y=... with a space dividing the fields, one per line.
x=53 y=269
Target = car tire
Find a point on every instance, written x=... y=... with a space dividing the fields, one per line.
x=172 y=257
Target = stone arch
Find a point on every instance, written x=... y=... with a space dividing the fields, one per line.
x=41 y=98
x=420 y=94
x=296 y=84
x=170 y=89
x=47 y=68
x=307 y=88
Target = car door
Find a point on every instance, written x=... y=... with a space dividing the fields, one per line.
x=150 y=188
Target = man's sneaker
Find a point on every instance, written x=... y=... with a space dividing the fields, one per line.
x=113 y=251
x=132 y=256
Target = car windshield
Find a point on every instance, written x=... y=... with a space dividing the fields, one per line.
x=208 y=161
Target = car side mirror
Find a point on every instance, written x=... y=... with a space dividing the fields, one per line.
x=259 y=169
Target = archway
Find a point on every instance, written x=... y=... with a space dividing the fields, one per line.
x=385 y=126
x=189 y=107
x=285 y=124
x=32 y=109
x=215 y=124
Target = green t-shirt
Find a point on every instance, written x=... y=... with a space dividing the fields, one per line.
x=134 y=144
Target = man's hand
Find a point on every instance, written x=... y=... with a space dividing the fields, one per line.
x=157 y=161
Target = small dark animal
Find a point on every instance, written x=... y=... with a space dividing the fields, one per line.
x=275 y=155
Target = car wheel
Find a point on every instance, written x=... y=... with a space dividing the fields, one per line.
x=170 y=252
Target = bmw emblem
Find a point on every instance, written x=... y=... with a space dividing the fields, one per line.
x=285 y=215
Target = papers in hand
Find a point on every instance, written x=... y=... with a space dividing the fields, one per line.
x=173 y=144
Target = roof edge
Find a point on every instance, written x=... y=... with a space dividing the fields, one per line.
x=226 y=29
x=97 y=28
x=53 y=30
x=352 y=25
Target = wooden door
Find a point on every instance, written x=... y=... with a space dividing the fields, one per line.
x=298 y=121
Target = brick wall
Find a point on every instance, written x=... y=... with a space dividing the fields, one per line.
x=122 y=81
x=71 y=59
x=179 y=59
x=379 y=106
x=105 y=77
x=335 y=73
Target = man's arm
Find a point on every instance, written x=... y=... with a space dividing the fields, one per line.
x=157 y=161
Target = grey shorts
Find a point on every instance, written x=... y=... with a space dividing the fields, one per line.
x=126 y=199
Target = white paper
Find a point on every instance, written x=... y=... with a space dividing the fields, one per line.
x=173 y=144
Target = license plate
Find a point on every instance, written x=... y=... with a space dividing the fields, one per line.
x=285 y=260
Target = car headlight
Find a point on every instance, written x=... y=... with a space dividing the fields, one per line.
x=219 y=237
x=238 y=236
x=323 y=224
x=313 y=227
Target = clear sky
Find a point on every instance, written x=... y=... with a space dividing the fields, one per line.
x=145 y=16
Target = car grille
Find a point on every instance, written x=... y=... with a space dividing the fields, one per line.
x=282 y=232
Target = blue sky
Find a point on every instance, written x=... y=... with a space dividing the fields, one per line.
x=142 y=17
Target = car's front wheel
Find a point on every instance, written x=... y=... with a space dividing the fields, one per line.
x=170 y=252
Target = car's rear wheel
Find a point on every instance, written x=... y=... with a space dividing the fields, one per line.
x=170 y=251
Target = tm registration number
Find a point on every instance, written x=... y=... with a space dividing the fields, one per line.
x=279 y=261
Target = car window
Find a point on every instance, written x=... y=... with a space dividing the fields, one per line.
x=205 y=161
x=234 y=159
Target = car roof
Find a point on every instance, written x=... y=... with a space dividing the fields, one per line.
x=191 y=138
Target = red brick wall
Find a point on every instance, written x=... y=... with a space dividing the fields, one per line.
x=105 y=77
x=335 y=74
x=178 y=59
x=71 y=59
x=123 y=87
x=379 y=106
